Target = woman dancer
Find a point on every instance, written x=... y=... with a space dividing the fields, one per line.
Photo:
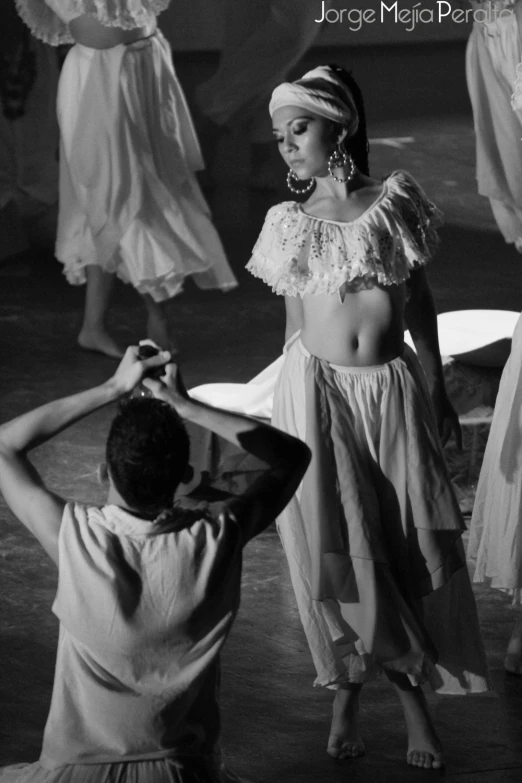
x=129 y=201
x=496 y=524
x=494 y=50
x=373 y=536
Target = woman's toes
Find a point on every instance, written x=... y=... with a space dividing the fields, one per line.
x=346 y=750
x=419 y=758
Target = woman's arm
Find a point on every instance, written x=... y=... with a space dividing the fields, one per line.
x=294 y=316
x=421 y=320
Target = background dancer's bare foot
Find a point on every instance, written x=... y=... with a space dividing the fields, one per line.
x=424 y=747
x=101 y=342
x=345 y=741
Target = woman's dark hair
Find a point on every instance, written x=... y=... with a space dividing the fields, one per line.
x=147 y=454
x=358 y=145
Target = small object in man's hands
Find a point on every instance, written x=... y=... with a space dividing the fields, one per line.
x=146 y=350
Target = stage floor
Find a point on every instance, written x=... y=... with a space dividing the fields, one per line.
x=275 y=724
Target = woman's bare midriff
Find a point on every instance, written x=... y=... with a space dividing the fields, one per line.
x=364 y=330
x=89 y=32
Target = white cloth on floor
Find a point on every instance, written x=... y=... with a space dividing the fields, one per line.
x=495 y=541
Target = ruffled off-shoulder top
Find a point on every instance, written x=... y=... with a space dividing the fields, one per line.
x=298 y=254
x=49 y=20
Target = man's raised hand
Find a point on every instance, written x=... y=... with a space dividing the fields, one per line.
x=170 y=388
x=132 y=370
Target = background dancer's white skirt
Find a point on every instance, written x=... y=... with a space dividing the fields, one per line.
x=129 y=200
x=493 y=52
x=496 y=525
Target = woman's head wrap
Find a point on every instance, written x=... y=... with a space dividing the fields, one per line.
x=334 y=102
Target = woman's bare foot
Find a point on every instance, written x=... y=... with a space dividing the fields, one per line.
x=99 y=341
x=345 y=741
x=424 y=747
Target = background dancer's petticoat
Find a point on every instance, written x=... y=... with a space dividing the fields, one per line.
x=129 y=200
x=496 y=525
x=493 y=52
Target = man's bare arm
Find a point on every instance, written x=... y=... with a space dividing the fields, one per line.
x=287 y=457
x=36 y=506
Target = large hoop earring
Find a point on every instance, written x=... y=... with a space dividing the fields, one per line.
x=338 y=160
x=293 y=176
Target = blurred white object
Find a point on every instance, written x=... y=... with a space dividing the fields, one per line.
x=480 y=337
x=253 y=398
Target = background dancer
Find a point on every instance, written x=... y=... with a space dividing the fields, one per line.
x=493 y=53
x=148 y=590
x=495 y=541
x=262 y=42
x=129 y=201
x=373 y=536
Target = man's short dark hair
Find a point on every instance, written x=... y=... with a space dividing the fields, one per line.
x=147 y=454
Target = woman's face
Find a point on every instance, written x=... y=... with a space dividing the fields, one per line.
x=305 y=140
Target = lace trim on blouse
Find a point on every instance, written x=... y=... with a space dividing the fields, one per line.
x=46 y=25
x=297 y=254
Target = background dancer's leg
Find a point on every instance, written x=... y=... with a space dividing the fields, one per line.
x=424 y=747
x=345 y=741
x=158 y=325
x=93 y=335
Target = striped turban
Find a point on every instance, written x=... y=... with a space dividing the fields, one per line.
x=334 y=101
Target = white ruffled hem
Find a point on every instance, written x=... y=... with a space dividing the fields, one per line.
x=297 y=254
x=43 y=23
